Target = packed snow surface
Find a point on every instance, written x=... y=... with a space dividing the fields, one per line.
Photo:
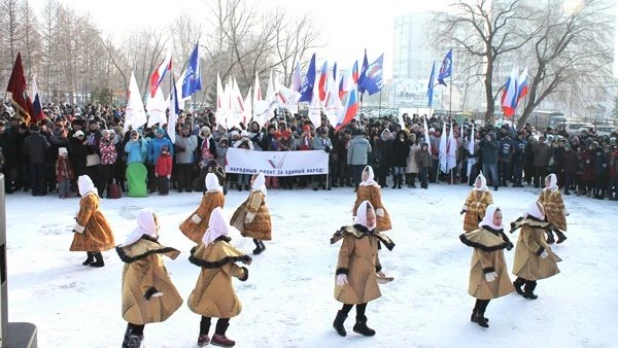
x=288 y=299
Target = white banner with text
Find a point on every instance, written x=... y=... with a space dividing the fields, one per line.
x=276 y=163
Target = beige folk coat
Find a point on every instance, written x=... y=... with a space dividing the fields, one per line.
x=214 y=295
x=528 y=263
x=143 y=275
x=488 y=256
x=359 y=260
x=371 y=193
x=260 y=227
x=196 y=224
x=475 y=205
x=93 y=232
x=554 y=208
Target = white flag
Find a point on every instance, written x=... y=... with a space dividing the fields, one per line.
x=442 y=150
x=451 y=150
x=156 y=107
x=135 y=115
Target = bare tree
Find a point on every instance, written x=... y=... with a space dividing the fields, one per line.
x=11 y=25
x=572 y=49
x=294 y=40
x=485 y=30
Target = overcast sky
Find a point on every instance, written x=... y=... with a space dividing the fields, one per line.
x=348 y=27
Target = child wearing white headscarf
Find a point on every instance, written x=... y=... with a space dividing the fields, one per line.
x=369 y=190
x=195 y=225
x=534 y=258
x=555 y=211
x=358 y=268
x=476 y=203
x=214 y=295
x=252 y=217
x=92 y=232
x=489 y=277
x=148 y=294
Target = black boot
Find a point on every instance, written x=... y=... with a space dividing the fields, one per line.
x=89 y=259
x=361 y=327
x=518 y=283
x=132 y=340
x=99 y=260
x=481 y=320
x=529 y=290
x=550 y=237
x=395 y=179
x=259 y=247
x=338 y=324
x=561 y=236
x=399 y=180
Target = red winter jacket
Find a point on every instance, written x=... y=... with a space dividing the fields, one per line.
x=164 y=165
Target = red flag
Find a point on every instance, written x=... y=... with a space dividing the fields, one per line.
x=19 y=91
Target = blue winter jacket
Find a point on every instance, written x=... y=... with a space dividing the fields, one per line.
x=154 y=149
x=136 y=151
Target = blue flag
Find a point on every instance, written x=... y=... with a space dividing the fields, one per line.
x=172 y=117
x=446 y=68
x=371 y=80
x=432 y=77
x=306 y=90
x=361 y=78
x=192 y=80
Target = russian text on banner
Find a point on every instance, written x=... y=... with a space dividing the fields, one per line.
x=276 y=163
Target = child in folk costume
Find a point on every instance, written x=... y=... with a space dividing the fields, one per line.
x=358 y=268
x=195 y=225
x=489 y=277
x=92 y=232
x=554 y=209
x=214 y=295
x=534 y=259
x=369 y=190
x=477 y=202
x=148 y=295
x=252 y=218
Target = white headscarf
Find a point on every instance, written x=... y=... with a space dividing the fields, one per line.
x=146 y=225
x=361 y=215
x=370 y=180
x=86 y=186
x=218 y=225
x=535 y=211
x=259 y=183
x=483 y=183
x=553 y=182
x=488 y=220
x=212 y=183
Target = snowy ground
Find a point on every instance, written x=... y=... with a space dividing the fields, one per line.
x=288 y=299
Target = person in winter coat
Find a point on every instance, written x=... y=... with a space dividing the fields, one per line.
x=91 y=232
x=155 y=147
x=571 y=162
x=541 y=153
x=64 y=173
x=163 y=170
x=186 y=146
x=358 y=152
x=195 y=225
x=489 y=278
x=137 y=152
x=489 y=157
x=401 y=150
x=214 y=295
x=505 y=157
x=35 y=148
x=554 y=209
x=412 y=168
x=534 y=259
x=476 y=204
x=107 y=149
x=252 y=217
x=423 y=159
x=369 y=190
x=9 y=153
x=519 y=155
x=385 y=146
x=148 y=294
x=321 y=142
x=589 y=159
x=358 y=268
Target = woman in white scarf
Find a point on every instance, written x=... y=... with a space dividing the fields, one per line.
x=476 y=203
x=555 y=210
x=194 y=226
x=252 y=217
x=369 y=190
x=93 y=233
x=147 y=225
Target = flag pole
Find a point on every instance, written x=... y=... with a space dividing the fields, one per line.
x=380 y=107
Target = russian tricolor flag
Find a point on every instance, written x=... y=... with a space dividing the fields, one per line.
x=355 y=75
x=159 y=74
x=509 y=95
x=350 y=109
x=36 y=102
x=522 y=89
x=322 y=83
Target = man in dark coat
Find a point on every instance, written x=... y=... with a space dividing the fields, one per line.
x=36 y=147
x=9 y=154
